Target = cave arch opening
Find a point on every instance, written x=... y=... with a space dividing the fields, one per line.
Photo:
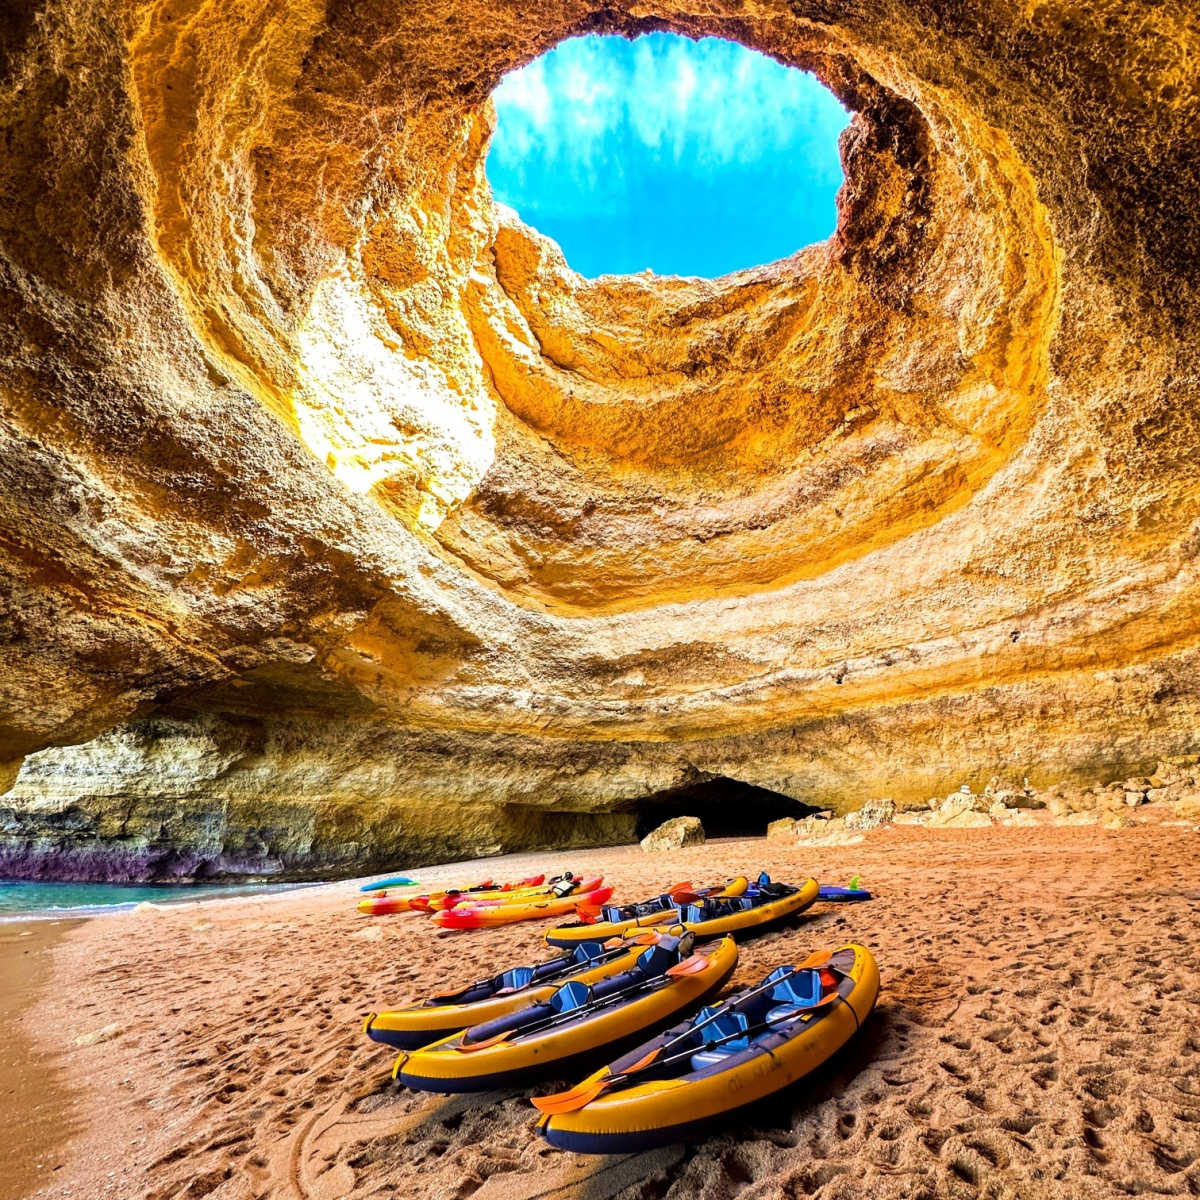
x=726 y=807
x=678 y=155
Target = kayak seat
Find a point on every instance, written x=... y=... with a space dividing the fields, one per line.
x=725 y=1026
x=643 y=908
x=765 y=890
x=586 y=952
x=652 y=963
x=800 y=991
x=713 y=907
x=782 y=1011
x=570 y=996
x=655 y=960
x=515 y=979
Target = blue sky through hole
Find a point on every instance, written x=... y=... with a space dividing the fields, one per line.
x=687 y=157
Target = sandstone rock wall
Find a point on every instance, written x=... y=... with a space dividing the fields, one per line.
x=300 y=430
x=182 y=796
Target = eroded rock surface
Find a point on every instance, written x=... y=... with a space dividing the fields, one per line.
x=414 y=539
x=674 y=835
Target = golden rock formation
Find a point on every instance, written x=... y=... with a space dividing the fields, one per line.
x=342 y=519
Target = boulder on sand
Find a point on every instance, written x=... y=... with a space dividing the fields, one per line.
x=675 y=834
x=873 y=814
x=961 y=810
x=786 y=828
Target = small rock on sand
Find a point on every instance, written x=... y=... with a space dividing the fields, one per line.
x=1011 y=799
x=100 y=1035
x=675 y=834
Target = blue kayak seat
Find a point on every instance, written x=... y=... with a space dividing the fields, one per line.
x=514 y=980
x=782 y=1012
x=680 y=945
x=655 y=960
x=613 y=913
x=763 y=879
x=586 y=952
x=725 y=1026
x=800 y=991
x=570 y=996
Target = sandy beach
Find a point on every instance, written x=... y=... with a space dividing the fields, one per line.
x=35 y=1100
x=1037 y=1035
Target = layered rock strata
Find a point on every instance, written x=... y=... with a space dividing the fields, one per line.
x=314 y=455
x=1171 y=795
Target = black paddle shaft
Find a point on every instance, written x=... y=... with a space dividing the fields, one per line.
x=599 y=1002
x=741 y=998
x=566 y=960
x=753 y=1030
x=565 y=1018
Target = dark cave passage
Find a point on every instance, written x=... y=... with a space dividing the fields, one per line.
x=726 y=807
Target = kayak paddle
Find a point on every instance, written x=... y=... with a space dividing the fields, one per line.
x=577 y=1097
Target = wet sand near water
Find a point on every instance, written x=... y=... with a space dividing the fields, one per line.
x=35 y=1100
x=1038 y=1035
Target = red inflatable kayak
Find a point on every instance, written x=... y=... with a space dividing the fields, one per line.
x=484 y=916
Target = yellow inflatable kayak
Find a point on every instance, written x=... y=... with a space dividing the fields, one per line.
x=673 y=1087
x=665 y=979
x=761 y=905
x=613 y=920
x=527 y=888
x=489 y=914
x=487 y=999
x=381 y=903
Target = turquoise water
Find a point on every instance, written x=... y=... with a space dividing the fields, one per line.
x=79 y=899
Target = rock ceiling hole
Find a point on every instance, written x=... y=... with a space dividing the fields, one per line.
x=678 y=155
x=596 y=446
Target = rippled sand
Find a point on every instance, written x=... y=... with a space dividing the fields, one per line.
x=1038 y=1035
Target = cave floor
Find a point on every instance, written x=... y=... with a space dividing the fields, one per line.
x=1036 y=1035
